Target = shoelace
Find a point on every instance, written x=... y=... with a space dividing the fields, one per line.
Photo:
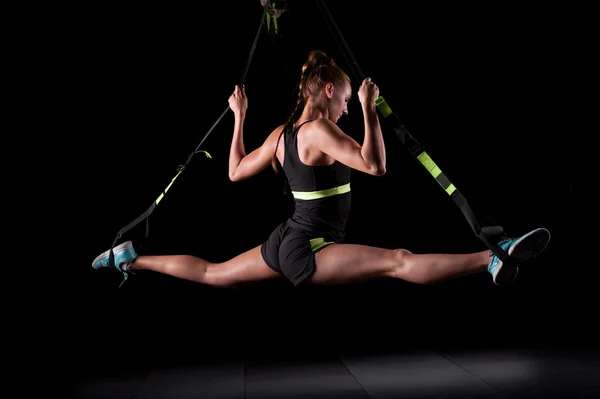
x=125 y=273
x=501 y=244
x=125 y=277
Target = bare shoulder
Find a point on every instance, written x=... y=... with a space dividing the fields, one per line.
x=323 y=123
x=276 y=132
x=329 y=138
x=273 y=136
x=271 y=141
x=324 y=127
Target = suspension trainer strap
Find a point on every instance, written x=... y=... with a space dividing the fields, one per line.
x=417 y=150
x=419 y=153
x=341 y=42
x=181 y=168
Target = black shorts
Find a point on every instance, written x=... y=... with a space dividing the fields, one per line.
x=291 y=251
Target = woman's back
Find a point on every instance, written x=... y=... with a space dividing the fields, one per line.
x=321 y=193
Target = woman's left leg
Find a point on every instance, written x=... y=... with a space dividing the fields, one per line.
x=347 y=263
x=342 y=263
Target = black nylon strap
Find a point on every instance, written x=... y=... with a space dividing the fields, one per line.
x=146 y=214
x=416 y=149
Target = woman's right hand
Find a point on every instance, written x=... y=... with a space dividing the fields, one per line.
x=238 y=102
x=368 y=92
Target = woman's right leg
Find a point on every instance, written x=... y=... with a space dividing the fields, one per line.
x=246 y=267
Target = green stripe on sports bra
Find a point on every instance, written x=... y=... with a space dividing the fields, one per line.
x=312 y=195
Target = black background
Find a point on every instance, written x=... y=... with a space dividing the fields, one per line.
x=477 y=86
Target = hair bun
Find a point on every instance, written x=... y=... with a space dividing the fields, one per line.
x=316 y=58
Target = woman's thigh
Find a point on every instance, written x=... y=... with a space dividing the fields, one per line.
x=348 y=263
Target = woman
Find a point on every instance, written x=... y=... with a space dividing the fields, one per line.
x=316 y=157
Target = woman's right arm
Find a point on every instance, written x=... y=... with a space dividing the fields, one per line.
x=242 y=165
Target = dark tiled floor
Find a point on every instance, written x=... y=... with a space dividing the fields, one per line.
x=507 y=373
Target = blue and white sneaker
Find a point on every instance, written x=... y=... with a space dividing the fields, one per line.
x=522 y=248
x=124 y=254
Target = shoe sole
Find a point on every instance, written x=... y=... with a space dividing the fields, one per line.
x=526 y=247
x=121 y=247
x=531 y=244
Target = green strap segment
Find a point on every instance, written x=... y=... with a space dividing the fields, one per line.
x=383 y=107
x=272 y=18
x=160 y=197
x=423 y=157
x=436 y=172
